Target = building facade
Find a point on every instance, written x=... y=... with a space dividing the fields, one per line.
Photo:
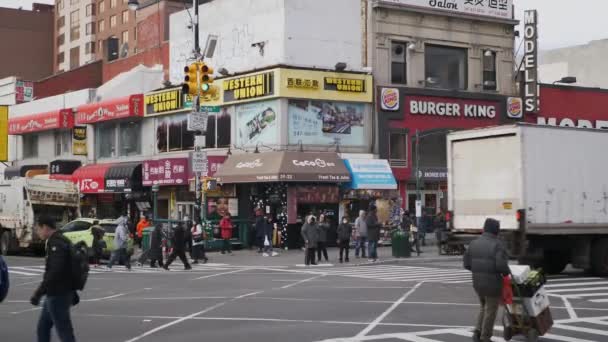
x=74 y=34
x=585 y=62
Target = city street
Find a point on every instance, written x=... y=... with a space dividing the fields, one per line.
x=418 y=300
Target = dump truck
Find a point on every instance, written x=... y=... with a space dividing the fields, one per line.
x=547 y=185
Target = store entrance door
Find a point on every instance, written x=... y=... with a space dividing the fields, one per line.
x=430 y=201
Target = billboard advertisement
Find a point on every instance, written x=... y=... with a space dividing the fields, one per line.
x=256 y=123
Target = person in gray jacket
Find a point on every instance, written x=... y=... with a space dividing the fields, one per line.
x=487 y=258
x=121 y=243
x=310 y=234
x=322 y=245
x=361 y=234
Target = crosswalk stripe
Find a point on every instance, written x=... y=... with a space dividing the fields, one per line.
x=581 y=329
x=27 y=269
x=551 y=286
x=23 y=273
x=583 y=295
x=569 y=278
x=584 y=289
x=599 y=300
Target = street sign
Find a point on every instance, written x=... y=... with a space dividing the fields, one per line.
x=210 y=109
x=197 y=121
x=199 y=162
x=199 y=141
x=418 y=208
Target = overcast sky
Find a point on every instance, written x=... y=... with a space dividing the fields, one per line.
x=562 y=23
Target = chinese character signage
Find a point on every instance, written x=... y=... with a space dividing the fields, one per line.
x=24 y=91
x=326 y=123
x=303 y=83
x=249 y=87
x=123 y=107
x=164 y=102
x=60 y=119
x=489 y=8
x=531 y=99
x=79 y=140
x=257 y=123
x=165 y=172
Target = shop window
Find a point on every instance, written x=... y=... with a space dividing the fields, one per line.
x=398 y=63
x=30 y=146
x=398 y=149
x=106 y=140
x=63 y=142
x=489 y=70
x=130 y=138
x=445 y=67
x=172 y=134
x=118 y=139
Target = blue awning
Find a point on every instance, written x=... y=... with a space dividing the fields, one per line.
x=371 y=174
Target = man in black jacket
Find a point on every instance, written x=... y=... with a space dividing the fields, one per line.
x=179 y=247
x=373 y=233
x=56 y=284
x=487 y=258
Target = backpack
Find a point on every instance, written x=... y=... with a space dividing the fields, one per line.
x=79 y=259
x=4 y=284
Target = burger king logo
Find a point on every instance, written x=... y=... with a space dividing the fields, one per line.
x=514 y=108
x=389 y=99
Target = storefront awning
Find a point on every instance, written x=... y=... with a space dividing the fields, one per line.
x=59 y=119
x=283 y=166
x=20 y=171
x=124 y=177
x=62 y=167
x=91 y=178
x=371 y=174
x=119 y=108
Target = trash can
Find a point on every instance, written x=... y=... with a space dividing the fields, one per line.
x=401 y=244
x=145 y=240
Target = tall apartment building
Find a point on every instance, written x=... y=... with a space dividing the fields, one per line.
x=116 y=30
x=74 y=33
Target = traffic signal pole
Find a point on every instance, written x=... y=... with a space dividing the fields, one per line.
x=201 y=203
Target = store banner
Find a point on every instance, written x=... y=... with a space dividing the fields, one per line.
x=326 y=123
x=502 y=9
x=257 y=123
x=59 y=119
x=79 y=141
x=171 y=171
x=372 y=174
x=119 y=108
x=164 y=102
x=431 y=173
x=249 y=87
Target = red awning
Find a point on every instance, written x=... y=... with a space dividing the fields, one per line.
x=119 y=108
x=41 y=122
x=91 y=178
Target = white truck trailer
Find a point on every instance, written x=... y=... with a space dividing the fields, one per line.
x=548 y=187
x=23 y=200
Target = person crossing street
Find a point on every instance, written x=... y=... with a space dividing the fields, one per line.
x=121 y=243
x=179 y=247
x=361 y=234
x=345 y=230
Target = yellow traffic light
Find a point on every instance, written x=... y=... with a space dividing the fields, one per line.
x=209 y=92
x=190 y=85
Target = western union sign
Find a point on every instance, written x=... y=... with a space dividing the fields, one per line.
x=345 y=84
x=249 y=87
x=164 y=102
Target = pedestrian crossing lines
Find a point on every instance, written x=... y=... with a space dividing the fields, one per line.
x=398 y=273
x=33 y=271
x=592 y=289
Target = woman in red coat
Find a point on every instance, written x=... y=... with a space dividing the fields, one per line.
x=226 y=232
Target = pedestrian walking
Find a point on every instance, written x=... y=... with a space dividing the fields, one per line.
x=226 y=232
x=361 y=233
x=268 y=230
x=260 y=227
x=310 y=234
x=179 y=247
x=323 y=228
x=198 y=243
x=143 y=223
x=56 y=285
x=373 y=233
x=487 y=258
x=155 y=252
x=98 y=244
x=345 y=230
x=4 y=279
x=121 y=243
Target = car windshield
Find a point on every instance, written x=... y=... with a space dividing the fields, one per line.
x=109 y=227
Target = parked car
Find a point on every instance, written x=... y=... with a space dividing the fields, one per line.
x=80 y=230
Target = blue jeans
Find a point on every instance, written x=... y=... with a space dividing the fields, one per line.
x=56 y=312
x=360 y=246
x=372 y=249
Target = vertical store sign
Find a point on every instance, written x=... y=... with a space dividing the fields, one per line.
x=3 y=133
x=531 y=93
x=79 y=140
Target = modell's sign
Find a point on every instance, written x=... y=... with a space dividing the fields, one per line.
x=124 y=107
x=531 y=98
x=568 y=122
x=440 y=107
x=41 y=122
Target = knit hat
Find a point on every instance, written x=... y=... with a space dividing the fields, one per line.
x=491 y=226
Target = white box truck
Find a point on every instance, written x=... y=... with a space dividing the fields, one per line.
x=548 y=187
x=23 y=200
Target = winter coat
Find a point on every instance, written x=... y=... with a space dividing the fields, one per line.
x=98 y=234
x=361 y=226
x=406 y=223
x=121 y=235
x=143 y=223
x=310 y=233
x=345 y=230
x=323 y=229
x=57 y=278
x=260 y=226
x=156 y=243
x=179 y=238
x=487 y=258
x=373 y=227
x=226 y=228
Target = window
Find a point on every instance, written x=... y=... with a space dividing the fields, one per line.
x=60 y=5
x=446 y=67
x=398 y=65
x=125 y=16
x=112 y=3
x=102 y=6
x=61 y=39
x=30 y=146
x=74 y=2
x=125 y=37
x=102 y=25
x=61 y=22
x=113 y=21
x=74 y=57
x=172 y=134
x=63 y=142
x=75 y=25
x=90 y=47
x=489 y=70
x=90 y=29
x=60 y=58
x=118 y=139
x=398 y=149
x=90 y=10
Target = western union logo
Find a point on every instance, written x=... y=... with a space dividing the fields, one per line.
x=248 y=87
x=345 y=84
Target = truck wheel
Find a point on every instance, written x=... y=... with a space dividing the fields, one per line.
x=599 y=257
x=5 y=243
x=554 y=262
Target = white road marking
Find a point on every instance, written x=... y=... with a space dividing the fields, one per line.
x=583 y=289
x=103 y=298
x=218 y=274
x=10 y=271
x=248 y=295
x=581 y=329
x=28 y=310
x=383 y=315
x=551 y=286
x=599 y=300
x=583 y=295
x=302 y=281
x=569 y=308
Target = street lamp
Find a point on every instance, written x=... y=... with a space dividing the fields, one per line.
x=133 y=5
x=566 y=80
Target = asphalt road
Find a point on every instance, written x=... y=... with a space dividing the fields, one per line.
x=414 y=301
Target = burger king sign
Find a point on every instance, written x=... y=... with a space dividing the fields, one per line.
x=389 y=99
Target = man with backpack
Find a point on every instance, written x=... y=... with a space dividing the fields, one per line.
x=61 y=279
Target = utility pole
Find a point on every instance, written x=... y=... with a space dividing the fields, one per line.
x=417 y=170
x=197 y=47
x=201 y=203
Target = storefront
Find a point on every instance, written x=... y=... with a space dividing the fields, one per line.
x=63 y=169
x=424 y=117
x=287 y=186
x=170 y=175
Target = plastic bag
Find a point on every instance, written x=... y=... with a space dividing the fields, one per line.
x=266 y=242
x=507 y=290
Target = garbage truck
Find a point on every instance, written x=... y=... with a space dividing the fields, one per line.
x=23 y=200
x=547 y=185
